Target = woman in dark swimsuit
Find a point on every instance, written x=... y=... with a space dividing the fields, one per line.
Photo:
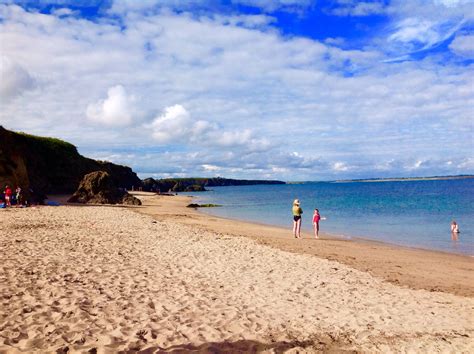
x=297 y=211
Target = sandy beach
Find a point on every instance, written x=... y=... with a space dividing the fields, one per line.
x=414 y=268
x=163 y=277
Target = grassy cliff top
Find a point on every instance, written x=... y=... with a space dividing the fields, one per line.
x=47 y=143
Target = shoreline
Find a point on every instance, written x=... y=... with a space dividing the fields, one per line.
x=418 y=216
x=330 y=236
x=415 y=268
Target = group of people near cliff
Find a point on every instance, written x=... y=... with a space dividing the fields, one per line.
x=10 y=197
x=297 y=212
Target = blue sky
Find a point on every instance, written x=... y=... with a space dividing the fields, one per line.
x=283 y=89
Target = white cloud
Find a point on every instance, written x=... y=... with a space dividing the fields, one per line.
x=466 y=164
x=64 y=11
x=359 y=8
x=14 y=79
x=338 y=41
x=417 y=34
x=116 y=110
x=416 y=165
x=340 y=167
x=243 y=87
x=453 y=3
x=414 y=29
x=463 y=45
x=273 y=5
x=430 y=10
x=211 y=168
x=125 y=6
x=175 y=125
x=248 y=21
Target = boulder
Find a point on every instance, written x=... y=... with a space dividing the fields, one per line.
x=100 y=188
x=130 y=200
x=150 y=185
x=195 y=188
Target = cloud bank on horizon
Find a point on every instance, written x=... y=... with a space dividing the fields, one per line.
x=284 y=89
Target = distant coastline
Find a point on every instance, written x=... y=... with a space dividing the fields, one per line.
x=388 y=179
x=402 y=179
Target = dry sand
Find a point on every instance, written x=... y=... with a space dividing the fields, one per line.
x=110 y=279
x=415 y=268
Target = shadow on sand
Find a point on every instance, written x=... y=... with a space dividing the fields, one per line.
x=244 y=346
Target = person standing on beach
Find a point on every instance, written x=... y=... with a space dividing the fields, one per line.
x=316 y=218
x=297 y=211
x=19 y=201
x=8 y=196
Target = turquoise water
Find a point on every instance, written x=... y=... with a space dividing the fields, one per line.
x=409 y=213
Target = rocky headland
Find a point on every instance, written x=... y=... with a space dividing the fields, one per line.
x=197 y=184
x=51 y=166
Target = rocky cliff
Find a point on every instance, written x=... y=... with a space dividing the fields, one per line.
x=51 y=166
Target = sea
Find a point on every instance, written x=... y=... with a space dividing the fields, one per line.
x=413 y=213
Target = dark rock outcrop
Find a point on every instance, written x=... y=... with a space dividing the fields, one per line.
x=150 y=185
x=195 y=188
x=194 y=205
x=100 y=188
x=13 y=168
x=51 y=166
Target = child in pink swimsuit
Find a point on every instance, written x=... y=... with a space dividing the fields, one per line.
x=316 y=218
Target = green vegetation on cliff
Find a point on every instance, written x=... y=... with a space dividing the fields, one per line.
x=50 y=165
x=47 y=144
